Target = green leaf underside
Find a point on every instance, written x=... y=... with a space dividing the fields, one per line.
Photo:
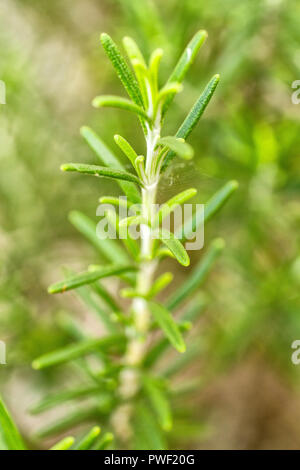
x=74 y=351
x=194 y=115
x=198 y=275
x=100 y=171
x=165 y=320
x=88 y=277
x=10 y=438
x=107 y=157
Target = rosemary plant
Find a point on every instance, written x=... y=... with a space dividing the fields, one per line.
x=133 y=399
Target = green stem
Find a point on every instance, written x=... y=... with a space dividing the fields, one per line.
x=137 y=336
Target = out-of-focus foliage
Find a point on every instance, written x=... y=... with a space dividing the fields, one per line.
x=243 y=383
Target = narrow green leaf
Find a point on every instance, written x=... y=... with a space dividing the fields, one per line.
x=122 y=69
x=126 y=148
x=172 y=203
x=174 y=245
x=107 y=157
x=154 y=63
x=194 y=115
x=217 y=201
x=10 y=438
x=147 y=433
x=133 y=51
x=116 y=201
x=88 y=277
x=65 y=396
x=64 y=444
x=105 y=296
x=178 y=146
x=111 y=101
x=159 y=401
x=171 y=88
x=212 y=207
x=133 y=220
x=102 y=151
x=192 y=313
x=108 y=248
x=89 y=298
x=159 y=284
x=186 y=61
x=198 y=275
x=165 y=320
x=70 y=326
x=100 y=171
x=68 y=421
x=88 y=440
x=123 y=233
x=195 y=308
x=87 y=295
x=74 y=351
x=104 y=442
x=184 y=360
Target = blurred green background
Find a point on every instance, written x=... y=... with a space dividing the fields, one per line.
x=52 y=65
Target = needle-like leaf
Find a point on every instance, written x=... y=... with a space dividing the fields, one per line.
x=178 y=146
x=101 y=171
x=88 y=440
x=174 y=245
x=88 y=277
x=110 y=101
x=74 y=351
x=65 y=396
x=159 y=284
x=214 y=204
x=172 y=203
x=107 y=247
x=122 y=69
x=68 y=421
x=104 y=442
x=10 y=438
x=165 y=320
x=217 y=201
x=126 y=148
x=133 y=220
x=64 y=444
x=198 y=275
x=159 y=401
x=133 y=51
x=194 y=115
x=192 y=312
x=185 y=62
x=108 y=158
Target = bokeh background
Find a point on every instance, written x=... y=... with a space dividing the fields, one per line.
x=53 y=65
